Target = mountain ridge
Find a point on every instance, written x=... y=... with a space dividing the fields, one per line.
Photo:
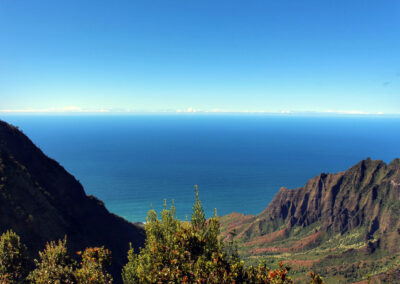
x=362 y=204
x=41 y=202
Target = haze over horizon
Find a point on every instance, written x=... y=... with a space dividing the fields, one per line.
x=324 y=57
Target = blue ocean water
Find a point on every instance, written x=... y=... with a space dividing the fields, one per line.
x=238 y=162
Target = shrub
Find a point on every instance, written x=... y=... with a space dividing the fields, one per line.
x=13 y=258
x=191 y=252
x=54 y=266
x=94 y=261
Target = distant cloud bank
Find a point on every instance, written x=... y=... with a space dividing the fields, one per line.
x=189 y=110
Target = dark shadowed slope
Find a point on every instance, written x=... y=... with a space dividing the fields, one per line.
x=331 y=224
x=41 y=202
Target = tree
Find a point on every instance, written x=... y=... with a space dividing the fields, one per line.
x=54 y=266
x=190 y=252
x=13 y=258
x=198 y=217
x=130 y=273
x=231 y=247
x=94 y=262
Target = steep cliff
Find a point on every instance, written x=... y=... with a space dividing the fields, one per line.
x=356 y=212
x=41 y=202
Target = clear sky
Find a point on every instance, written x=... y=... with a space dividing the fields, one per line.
x=167 y=55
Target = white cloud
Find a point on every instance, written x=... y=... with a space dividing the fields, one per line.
x=72 y=108
x=190 y=109
x=350 y=112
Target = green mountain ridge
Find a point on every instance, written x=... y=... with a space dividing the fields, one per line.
x=344 y=226
x=42 y=202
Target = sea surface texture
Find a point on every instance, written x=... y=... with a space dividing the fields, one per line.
x=134 y=162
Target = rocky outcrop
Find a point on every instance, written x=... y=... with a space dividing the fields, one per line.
x=343 y=226
x=367 y=195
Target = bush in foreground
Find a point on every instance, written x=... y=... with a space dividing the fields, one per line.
x=93 y=266
x=174 y=252
x=54 y=265
x=13 y=258
x=191 y=252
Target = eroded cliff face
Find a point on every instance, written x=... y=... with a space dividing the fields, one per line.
x=365 y=196
x=343 y=225
x=42 y=202
x=341 y=201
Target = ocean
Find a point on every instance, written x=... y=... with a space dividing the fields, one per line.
x=239 y=162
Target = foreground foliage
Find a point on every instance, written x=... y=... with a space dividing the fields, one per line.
x=191 y=252
x=93 y=269
x=174 y=252
x=13 y=258
x=54 y=264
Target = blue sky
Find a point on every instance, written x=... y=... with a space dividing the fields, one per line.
x=215 y=56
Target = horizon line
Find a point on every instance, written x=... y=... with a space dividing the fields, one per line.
x=190 y=110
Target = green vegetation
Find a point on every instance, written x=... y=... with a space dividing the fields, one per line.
x=343 y=226
x=13 y=258
x=191 y=252
x=54 y=266
x=42 y=202
x=93 y=266
x=175 y=252
x=339 y=258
